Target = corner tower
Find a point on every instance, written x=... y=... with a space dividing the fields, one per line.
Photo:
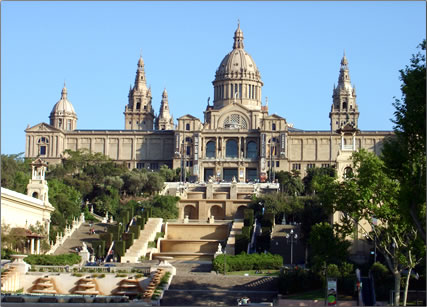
x=237 y=79
x=139 y=114
x=164 y=121
x=63 y=115
x=344 y=108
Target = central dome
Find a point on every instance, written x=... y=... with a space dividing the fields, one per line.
x=237 y=78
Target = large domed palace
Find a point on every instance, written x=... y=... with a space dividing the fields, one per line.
x=237 y=138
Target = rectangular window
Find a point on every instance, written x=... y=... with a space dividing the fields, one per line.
x=296 y=166
x=268 y=163
x=188 y=150
x=310 y=165
x=277 y=163
x=240 y=91
x=128 y=165
x=139 y=165
x=273 y=126
x=325 y=165
x=69 y=124
x=154 y=165
x=42 y=150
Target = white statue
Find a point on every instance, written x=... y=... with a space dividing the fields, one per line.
x=219 y=248
x=84 y=247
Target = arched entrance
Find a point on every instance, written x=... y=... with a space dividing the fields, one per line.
x=239 y=212
x=190 y=211
x=217 y=212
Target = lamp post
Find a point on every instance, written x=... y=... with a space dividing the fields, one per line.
x=291 y=237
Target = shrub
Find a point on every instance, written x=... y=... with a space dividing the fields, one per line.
x=241 y=244
x=298 y=280
x=135 y=229
x=244 y=262
x=248 y=217
x=383 y=280
x=267 y=220
x=129 y=239
x=119 y=247
x=98 y=247
x=64 y=259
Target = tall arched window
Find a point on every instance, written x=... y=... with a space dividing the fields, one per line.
x=187 y=127
x=231 y=149
x=251 y=150
x=210 y=149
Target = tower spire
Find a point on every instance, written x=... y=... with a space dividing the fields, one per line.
x=238 y=37
x=164 y=121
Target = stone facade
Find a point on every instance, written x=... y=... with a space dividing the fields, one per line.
x=238 y=138
x=21 y=211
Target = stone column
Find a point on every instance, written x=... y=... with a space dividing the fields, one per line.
x=342 y=141
x=38 y=246
x=32 y=246
x=354 y=141
x=239 y=148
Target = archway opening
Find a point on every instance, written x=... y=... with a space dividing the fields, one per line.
x=217 y=212
x=190 y=211
x=239 y=212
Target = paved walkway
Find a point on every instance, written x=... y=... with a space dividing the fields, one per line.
x=194 y=286
x=80 y=235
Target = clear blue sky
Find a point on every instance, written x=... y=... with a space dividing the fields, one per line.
x=297 y=47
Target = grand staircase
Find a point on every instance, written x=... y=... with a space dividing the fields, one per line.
x=80 y=235
x=139 y=246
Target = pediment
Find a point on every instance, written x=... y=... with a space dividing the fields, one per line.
x=188 y=116
x=275 y=116
x=42 y=127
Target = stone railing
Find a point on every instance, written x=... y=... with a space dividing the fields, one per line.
x=69 y=230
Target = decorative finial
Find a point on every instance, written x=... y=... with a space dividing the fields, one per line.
x=209 y=98
x=238 y=23
x=266 y=101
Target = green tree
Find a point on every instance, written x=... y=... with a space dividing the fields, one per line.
x=315 y=172
x=163 y=206
x=405 y=154
x=368 y=199
x=155 y=183
x=327 y=246
x=66 y=201
x=134 y=182
x=290 y=183
x=15 y=172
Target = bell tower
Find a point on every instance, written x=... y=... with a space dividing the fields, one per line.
x=139 y=113
x=37 y=187
x=344 y=110
x=164 y=121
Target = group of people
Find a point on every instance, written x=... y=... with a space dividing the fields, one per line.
x=91 y=229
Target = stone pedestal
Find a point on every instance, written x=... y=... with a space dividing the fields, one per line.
x=85 y=256
x=20 y=265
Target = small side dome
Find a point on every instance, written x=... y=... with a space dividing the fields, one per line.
x=63 y=106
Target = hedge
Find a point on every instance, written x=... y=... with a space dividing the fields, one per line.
x=267 y=220
x=64 y=259
x=119 y=247
x=241 y=244
x=129 y=239
x=248 y=217
x=135 y=229
x=98 y=247
x=244 y=262
x=299 y=280
x=107 y=237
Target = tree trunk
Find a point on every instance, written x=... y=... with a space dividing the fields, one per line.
x=405 y=294
x=396 y=288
